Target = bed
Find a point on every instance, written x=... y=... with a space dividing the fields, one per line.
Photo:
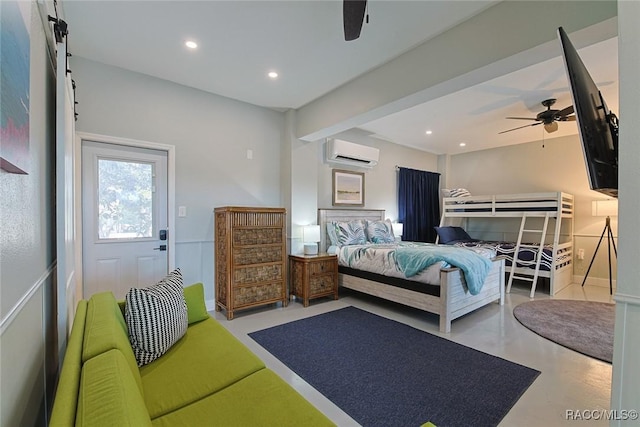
x=555 y=207
x=447 y=295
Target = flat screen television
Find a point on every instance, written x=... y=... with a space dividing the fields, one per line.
x=598 y=127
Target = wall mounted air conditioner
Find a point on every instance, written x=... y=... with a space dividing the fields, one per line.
x=348 y=153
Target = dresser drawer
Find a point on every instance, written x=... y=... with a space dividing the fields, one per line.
x=258 y=274
x=257 y=255
x=252 y=295
x=257 y=236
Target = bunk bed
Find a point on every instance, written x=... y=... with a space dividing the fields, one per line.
x=548 y=254
x=448 y=296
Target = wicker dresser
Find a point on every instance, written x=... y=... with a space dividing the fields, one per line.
x=250 y=257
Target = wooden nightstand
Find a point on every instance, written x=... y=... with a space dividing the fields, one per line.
x=313 y=276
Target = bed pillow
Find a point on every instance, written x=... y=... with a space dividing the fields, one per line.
x=452 y=234
x=459 y=192
x=156 y=317
x=379 y=231
x=346 y=233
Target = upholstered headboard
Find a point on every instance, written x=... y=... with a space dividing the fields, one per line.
x=342 y=215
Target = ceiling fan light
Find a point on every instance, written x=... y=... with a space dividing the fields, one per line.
x=551 y=127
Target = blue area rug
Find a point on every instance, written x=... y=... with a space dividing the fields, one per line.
x=385 y=373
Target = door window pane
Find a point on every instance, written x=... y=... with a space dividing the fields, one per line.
x=125 y=199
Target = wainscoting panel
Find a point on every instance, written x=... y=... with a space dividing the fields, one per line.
x=23 y=364
x=195 y=260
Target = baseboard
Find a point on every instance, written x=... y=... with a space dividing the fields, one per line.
x=595 y=281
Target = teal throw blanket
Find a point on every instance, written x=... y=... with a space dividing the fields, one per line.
x=413 y=259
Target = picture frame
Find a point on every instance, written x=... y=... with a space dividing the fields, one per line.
x=347 y=188
x=14 y=103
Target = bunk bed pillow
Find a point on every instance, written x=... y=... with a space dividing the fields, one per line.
x=379 y=231
x=459 y=192
x=448 y=235
x=346 y=233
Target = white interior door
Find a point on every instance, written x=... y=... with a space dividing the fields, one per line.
x=124 y=201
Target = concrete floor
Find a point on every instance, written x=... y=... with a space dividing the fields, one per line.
x=569 y=380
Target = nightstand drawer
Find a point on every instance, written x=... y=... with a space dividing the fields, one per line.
x=322 y=267
x=321 y=284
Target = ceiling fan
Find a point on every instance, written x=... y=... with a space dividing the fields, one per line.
x=353 y=12
x=549 y=118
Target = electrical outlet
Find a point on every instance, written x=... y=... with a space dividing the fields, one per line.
x=581 y=254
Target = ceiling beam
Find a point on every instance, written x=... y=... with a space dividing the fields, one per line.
x=504 y=38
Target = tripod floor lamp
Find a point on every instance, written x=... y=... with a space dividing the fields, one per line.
x=607 y=208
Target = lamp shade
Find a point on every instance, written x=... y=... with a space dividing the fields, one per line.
x=397 y=228
x=604 y=207
x=311 y=233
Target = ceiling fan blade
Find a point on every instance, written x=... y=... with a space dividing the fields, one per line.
x=522 y=118
x=525 y=126
x=551 y=127
x=565 y=111
x=353 y=16
x=566 y=119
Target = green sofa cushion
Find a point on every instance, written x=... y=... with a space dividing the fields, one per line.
x=105 y=329
x=109 y=395
x=205 y=360
x=196 y=307
x=66 y=402
x=261 y=399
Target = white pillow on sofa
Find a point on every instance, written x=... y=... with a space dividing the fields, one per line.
x=156 y=317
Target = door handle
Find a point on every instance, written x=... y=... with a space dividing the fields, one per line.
x=161 y=248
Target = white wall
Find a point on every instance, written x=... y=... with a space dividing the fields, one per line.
x=625 y=393
x=381 y=182
x=27 y=246
x=211 y=134
x=528 y=168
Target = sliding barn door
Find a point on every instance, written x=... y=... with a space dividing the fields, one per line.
x=65 y=185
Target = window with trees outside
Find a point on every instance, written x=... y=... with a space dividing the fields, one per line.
x=125 y=199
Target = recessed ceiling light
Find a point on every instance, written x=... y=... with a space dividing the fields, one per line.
x=428 y=132
x=463 y=144
x=272 y=75
x=191 y=44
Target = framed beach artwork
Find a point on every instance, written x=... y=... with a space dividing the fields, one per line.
x=348 y=188
x=14 y=99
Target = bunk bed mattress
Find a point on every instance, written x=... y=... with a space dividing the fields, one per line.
x=526 y=256
x=380 y=259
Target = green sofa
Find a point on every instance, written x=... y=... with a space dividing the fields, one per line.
x=208 y=378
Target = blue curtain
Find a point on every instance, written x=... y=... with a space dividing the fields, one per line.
x=418 y=204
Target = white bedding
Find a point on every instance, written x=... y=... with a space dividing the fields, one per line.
x=380 y=259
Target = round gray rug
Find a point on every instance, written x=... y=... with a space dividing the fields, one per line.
x=583 y=326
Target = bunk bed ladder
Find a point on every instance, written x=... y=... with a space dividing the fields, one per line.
x=519 y=244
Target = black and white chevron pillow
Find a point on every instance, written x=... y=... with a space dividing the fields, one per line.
x=156 y=317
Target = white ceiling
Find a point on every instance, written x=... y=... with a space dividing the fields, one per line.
x=240 y=41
